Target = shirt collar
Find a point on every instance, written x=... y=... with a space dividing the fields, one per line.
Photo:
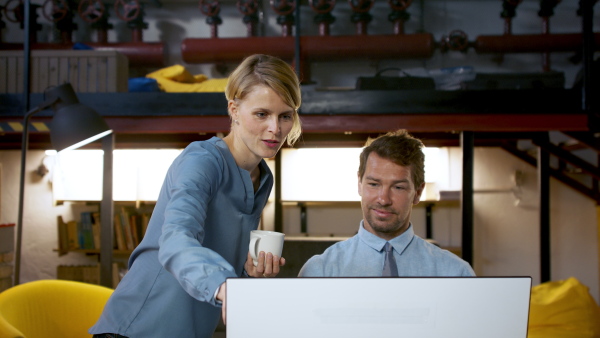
x=399 y=243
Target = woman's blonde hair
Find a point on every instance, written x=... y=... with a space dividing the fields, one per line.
x=270 y=71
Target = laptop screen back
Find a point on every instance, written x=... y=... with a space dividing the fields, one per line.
x=471 y=307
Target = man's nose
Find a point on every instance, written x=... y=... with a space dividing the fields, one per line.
x=383 y=196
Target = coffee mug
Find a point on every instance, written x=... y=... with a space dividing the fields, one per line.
x=267 y=241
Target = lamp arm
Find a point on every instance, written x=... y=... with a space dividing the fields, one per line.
x=24 y=147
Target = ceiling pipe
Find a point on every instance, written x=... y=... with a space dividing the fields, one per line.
x=314 y=48
x=545 y=12
x=139 y=53
x=249 y=9
x=531 y=43
x=147 y=54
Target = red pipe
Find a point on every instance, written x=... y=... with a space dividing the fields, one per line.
x=533 y=43
x=546 y=55
x=312 y=47
x=150 y=54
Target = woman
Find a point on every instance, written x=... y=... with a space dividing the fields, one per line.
x=212 y=197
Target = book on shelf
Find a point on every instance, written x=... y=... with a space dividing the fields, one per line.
x=72 y=235
x=119 y=237
x=127 y=231
x=86 y=232
x=129 y=228
x=80 y=273
x=96 y=226
x=63 y=241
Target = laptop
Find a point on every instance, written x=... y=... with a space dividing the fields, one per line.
x=415 y=307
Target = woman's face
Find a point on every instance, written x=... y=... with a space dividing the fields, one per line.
x=262 y=121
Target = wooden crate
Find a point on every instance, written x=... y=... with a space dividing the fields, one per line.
x=88 y=71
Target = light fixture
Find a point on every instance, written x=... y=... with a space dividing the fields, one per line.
x=72 y=126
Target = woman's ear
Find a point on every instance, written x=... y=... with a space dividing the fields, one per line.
x=232 y=109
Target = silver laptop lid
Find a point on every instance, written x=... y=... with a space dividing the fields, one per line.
x=469 y=307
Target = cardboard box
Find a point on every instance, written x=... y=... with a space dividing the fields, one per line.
x=7 y=237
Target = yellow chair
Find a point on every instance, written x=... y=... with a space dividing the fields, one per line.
x=51 y=308
x=563 y=309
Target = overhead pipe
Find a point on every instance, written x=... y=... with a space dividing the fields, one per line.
x=323 y=18
x=531 y=43
x=14 y=11
x=60 y=13
x=212 y=9
x=399 y=15
x=249 y=9
x=325 y=47
x=546 y=11
x=361 y=16
x=138 y=53
x=509 y=11
x=285 y=18
x=314 y=48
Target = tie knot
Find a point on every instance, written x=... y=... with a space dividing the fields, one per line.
x=388 y=247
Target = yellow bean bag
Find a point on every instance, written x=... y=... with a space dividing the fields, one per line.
x=563 y=309
x=51 y=309
x=177 y=79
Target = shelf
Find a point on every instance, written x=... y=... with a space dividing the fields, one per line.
x=329 y=118
x=93 y=251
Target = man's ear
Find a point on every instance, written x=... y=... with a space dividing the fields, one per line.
x=418 y=193
x=359 y=182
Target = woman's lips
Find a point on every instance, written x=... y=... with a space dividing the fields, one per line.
x=271 y=143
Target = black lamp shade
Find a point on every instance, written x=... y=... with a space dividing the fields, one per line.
x=75 y=125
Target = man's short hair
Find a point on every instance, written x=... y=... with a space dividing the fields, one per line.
x=399 y=147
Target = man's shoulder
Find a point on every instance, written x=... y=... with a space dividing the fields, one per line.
x=316 y=265
x=451 y=263
x=341 y=246
x=434 y=250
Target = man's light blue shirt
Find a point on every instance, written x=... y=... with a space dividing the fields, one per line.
x=363 y=256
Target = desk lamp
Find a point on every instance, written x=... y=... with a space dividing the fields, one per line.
x=72 y=126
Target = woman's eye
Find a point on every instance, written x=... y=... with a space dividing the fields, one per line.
x=286 y=117
x=261 y=114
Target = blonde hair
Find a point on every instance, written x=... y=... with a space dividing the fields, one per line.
x=260 y=69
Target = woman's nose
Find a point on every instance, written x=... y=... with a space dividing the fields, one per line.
x=274 y=125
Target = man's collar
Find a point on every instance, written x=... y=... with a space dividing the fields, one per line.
x=377 y=243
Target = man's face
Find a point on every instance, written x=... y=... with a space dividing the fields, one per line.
x=387 y=196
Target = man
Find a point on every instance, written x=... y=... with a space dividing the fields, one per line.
x=391 y=178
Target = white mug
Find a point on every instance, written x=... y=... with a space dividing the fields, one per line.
x=267 y=241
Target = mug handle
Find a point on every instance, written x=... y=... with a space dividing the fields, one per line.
x=253 y=247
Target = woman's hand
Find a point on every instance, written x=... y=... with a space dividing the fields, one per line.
x=268 y=265
x=221 y=297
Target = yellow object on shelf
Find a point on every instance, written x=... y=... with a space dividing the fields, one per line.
x=177 y=79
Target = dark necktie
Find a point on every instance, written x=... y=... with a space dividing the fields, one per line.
x=390 y=269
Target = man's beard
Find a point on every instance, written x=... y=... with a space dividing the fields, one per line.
x=389 y=226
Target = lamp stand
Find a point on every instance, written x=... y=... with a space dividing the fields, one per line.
x=106 y=213
x=24 y=147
